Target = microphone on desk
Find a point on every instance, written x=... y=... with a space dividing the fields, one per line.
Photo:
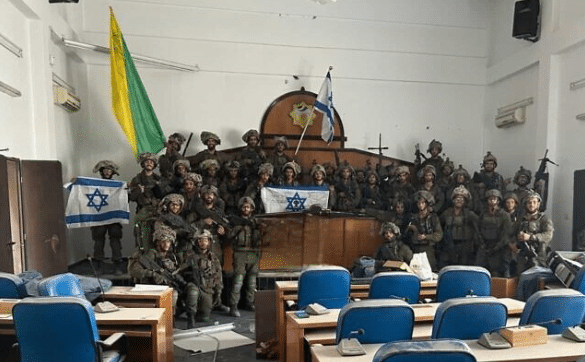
x=574 y=333
x=104 y=306
x=351 y=346
x=493 y=339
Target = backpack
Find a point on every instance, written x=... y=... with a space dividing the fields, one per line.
x=364 y=267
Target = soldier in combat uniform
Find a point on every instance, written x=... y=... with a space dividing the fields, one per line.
x=534 y=233
x=107 y=170
x=392 y=249
x=426 y=228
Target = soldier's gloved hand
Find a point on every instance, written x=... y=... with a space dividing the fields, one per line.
x=180 y=280
x=158 y=279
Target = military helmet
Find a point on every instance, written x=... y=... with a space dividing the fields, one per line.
x=435 y=143
x=282 y=140
x=206 y=136
x=192 y=176
x=461 y=171
x=493 y=192
x=204 y=234
x=209 y=163
x=427 y=196
x=176 y=138
x=182 y=162
x=390 y=226
x=167 y=200
x=246 y=200
x=266 y=168
x=448 y=163
x=232 y=165
x=164 y=233
x=145 y=156
x=402 y=169
x=106 y=164
x=490 y=157
x=372 y=172
x=345 y=167
x=461 y=191
x=209 y=188
x=250 y=133
x=293 y=165
x=523 y=172
x=531 y=194
x=318 y=168
x=511 y=195
x=428 y=168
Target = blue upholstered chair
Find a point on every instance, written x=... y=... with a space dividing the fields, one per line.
x=458 y=281
x=441 y=350
x=52 y=329
x=11 y=286
x=579 y=281
x=382 y=320
x=566 y=305
x=468 y=318
x=328 y=286
x=395 y=285
x=61 y=285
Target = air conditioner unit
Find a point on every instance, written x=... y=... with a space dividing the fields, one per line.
x=63 y=97
x=511 y=118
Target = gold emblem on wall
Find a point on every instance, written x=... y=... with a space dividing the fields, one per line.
x=300 y=114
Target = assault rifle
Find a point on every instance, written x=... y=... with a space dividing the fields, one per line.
x=172 y=279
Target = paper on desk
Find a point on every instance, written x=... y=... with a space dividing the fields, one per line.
x=148 y=288
x=204 y=343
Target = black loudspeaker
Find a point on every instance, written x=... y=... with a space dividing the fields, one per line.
x=63 y=1
x=526 y=20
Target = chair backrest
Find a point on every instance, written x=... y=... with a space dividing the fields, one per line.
x=328 y=286
x=579 y=282
x=400 y=285
x=11 y=286
x=458 y=281
x=62 y=285
x=565 y=305
x=381 y=320
x=56 y=329
x=468 y=318
x=447 y=350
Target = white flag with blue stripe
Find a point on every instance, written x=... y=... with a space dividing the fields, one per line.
x=293 y=198
x=324 y=104
x=96 y=201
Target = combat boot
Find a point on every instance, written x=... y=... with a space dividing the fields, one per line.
x=190 y=320
x=234 y=312
x=119 y=267
x=98 y=267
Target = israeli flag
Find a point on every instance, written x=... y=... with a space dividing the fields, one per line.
x=293 y=198
x=96 y=201
x=324 y=104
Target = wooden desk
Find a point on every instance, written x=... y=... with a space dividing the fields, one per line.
x=144 y=327
x=558 y=349
x=125 y=297
x=296 y=327
x=287 y=290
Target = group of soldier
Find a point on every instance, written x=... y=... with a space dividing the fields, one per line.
x=191 y=208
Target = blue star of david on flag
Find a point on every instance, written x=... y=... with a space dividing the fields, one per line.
x=296 y=203
x=102 y=200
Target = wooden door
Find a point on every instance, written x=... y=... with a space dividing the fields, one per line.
x=579 y=211
x=43 y=213
x=11 y=236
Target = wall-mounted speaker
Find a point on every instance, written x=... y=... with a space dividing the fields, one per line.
x=526 y=20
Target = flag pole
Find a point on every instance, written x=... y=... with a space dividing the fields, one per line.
x=307 y=124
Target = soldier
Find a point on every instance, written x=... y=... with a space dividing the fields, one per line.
x=347 y=194
x=158 y=265
x=445 y=180
x=488 y=178
x=170 y=215
x=253 y=191
x=232 y=188
x=107 y=169
x=392 y=248
x=202 y=271
x=192 y=183
x=246 y=243
x=372 y=197
x=278 y=158
x=461 y=178
x=210 y=217
x=495 y=228
x=425 y=227
x=522 y=179
x=211 y=140
x=435 y=148
x=402 y=189
x=290 y=171
x=460 y=229
x=145 y=190
x=511 y=205
x=166 y=161
x=209 y=170
x=252 y=155
x=534 y=233
x=428 y=183
x=180 y=169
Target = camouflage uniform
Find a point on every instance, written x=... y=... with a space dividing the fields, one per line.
x=202 y=271
x=460 y=233
x=347 y=193
x=392 y=249
x=430 y=226
x=495 y=233
x=232 y=190
x=279 y=160
x=167 y=160
x=490 y=180
x=251 y=157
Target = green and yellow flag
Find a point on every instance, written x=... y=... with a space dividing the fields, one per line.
x=131 y=105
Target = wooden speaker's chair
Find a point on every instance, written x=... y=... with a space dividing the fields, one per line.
x=441 y=350
x=458 y=281
x=377 y=320
x=61 y=285
x=11 y=286
x=327 y=285
x=399 y=285
x=555 y=309
x=53 y=329
x=468 y=318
